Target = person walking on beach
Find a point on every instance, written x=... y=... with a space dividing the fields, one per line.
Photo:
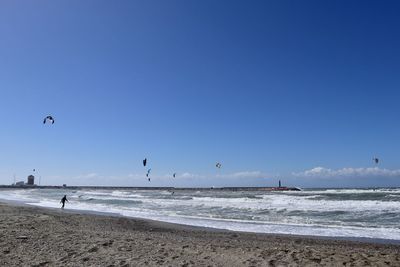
x=63 y=201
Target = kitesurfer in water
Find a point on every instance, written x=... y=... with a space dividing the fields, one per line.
x=63 y=201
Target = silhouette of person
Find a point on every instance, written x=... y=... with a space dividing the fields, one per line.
x=63 y=201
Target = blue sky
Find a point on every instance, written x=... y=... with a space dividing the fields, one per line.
x=305 y=91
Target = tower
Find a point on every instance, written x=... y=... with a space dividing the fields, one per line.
x=31 y=180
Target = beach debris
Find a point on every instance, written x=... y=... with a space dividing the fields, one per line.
x=144 y=162
x=108 y=243
x=42 y=263
x=49 y=118
x=22 y=237
x=93 y=249
x=218 y=165
x=376 y=160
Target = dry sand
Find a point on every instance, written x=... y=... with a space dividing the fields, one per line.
x=31 y=236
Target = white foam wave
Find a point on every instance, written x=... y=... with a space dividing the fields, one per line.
x=242 y=225
x=269 y=213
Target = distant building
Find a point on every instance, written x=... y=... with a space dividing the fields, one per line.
x=21 y=183
x=31 y=180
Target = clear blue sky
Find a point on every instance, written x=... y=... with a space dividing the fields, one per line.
x=268 y=88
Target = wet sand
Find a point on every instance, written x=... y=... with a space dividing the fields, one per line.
x=31 y=236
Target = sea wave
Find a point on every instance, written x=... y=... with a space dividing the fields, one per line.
x=334 y=212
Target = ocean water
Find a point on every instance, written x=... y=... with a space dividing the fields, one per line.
x=354 y=213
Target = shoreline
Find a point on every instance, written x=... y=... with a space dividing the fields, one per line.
x=211 y=229
x=238 y=188
x=39 y=236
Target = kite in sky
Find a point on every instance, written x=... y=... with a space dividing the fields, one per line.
x=48 y=118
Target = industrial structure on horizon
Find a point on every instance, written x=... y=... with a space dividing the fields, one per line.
x=30 y=182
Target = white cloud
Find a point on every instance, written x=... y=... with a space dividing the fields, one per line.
x=87 y=176
x=182 y=179
x=135 y=175
x=189 y=175
x=243 y=174
x=185 y=175
x=321 y=172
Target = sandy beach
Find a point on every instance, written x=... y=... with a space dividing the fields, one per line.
x=32 y=236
